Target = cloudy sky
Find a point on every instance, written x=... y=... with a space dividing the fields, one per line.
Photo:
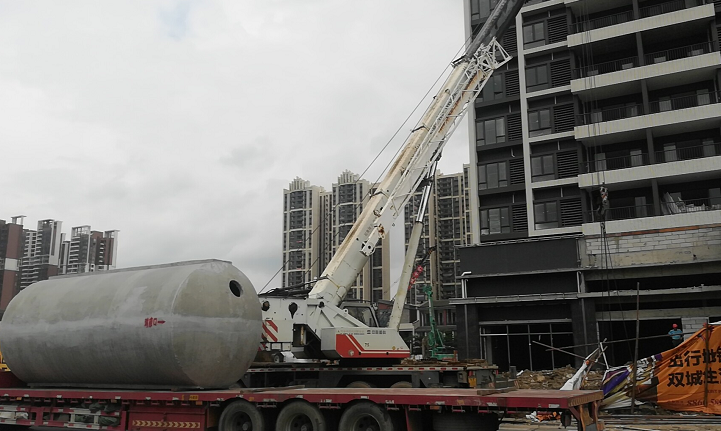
x=179 y=123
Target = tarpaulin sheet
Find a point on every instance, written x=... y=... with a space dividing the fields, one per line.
x=685 y=378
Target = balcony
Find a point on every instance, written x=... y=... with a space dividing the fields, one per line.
x=601 y=22
x=614 y=163
x=651 y=17
x=621 y=213
x=681 y=65
x=611 y=114
x=666 y=116
x=667 y=208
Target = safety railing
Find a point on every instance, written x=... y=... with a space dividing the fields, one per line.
x=683 y=102
x=690 y=205
x=710 y=149
x=612 y=114
x=678 y=53
x=668 y=7
x=614 y=163
x=645 y=12
x=621 y=213
x=606 y=67
x=604 y=21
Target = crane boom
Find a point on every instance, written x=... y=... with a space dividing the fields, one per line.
x=420 y=151
x=317 y=326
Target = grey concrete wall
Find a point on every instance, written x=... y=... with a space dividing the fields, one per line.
x=689 y=325
x=692 y=244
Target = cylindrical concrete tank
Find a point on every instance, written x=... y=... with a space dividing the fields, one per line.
x=189 y=324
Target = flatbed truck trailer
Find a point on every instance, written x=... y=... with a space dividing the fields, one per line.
x=320 y=375
x=285 y=409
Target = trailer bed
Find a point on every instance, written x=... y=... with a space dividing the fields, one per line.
x=154 y=410
x=492 y=399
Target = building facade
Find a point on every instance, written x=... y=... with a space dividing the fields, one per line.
x=41 y=256
x=317 y=221
x=302 y=239
x=11 y=254
x=446 y=227
x=596 y=157
x=87 y=250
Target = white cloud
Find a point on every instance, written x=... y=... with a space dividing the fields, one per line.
x=180 y=122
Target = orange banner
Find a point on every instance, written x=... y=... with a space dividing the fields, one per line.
x=686 y=378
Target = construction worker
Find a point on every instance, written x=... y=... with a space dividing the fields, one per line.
x=676 y=335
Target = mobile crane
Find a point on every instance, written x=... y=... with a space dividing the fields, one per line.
x=317 y=327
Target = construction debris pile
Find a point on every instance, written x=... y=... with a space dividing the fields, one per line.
x=554 y=379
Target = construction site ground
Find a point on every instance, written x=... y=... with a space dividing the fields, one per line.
x=629 y=426
x=648 y=417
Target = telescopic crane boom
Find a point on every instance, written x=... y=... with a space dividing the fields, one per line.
x=318 y=327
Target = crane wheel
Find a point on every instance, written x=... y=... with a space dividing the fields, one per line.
x=360 y=384
x=241 y=416
x=300 y=415
x=402 y=385
x=365 y=415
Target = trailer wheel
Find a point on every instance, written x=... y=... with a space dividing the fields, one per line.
x=365 y=416
x=241 y=416
x=402 y=384
x=300 y=416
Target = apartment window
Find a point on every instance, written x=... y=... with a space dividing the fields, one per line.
x=539 y=122
x=542 y=168
x=636 y=158
x=494 y=221
x=534 y=35
x=493 y=88
x=536 y=76
x=664 y=104
x=490 y=132
x=493 y=176
x=546 y=215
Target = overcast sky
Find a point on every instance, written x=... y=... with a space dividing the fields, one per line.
x=180 y=123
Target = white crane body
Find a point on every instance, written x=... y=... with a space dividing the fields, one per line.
x=317 y=326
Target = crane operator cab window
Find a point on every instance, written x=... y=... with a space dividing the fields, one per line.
x=363 y=313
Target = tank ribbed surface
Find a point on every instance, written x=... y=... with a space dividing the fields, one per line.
x=190 y=324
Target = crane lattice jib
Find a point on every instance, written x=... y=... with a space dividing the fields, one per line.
x=467 y=79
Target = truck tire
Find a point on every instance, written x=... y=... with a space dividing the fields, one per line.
x=366 y=416
x=402 y=384
x=241 y=416
x=360 y=384
x=300 y=416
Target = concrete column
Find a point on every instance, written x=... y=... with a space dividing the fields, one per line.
x=636 y=11
x=656 y=197
x=468 y=330
x=714 y=36
x=583 y=314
